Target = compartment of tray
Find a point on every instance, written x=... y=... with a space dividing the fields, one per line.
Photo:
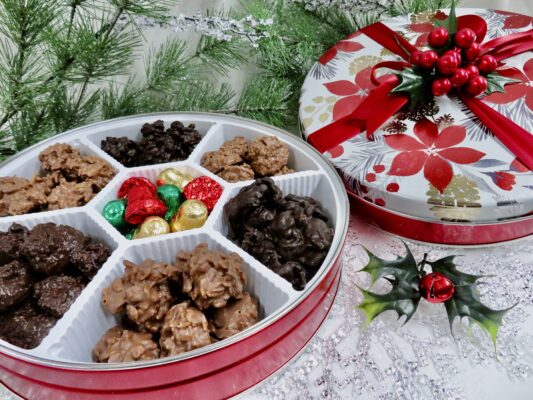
x=92 y=320
x=83 y=222
x=151 y=172
x=298 y=159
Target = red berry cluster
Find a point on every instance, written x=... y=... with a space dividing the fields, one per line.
x=459 y=66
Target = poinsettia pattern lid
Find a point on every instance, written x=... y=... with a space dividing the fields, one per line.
x=451 y=168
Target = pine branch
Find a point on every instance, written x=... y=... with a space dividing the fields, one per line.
x=267 y=100
x=167 y=65
x=22 y=23
x=217 y=55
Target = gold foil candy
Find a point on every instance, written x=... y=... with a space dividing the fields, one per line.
x=192 y=214
x=171 y=176
x=152 y=226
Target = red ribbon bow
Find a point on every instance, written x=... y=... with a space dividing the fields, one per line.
x=381 y=104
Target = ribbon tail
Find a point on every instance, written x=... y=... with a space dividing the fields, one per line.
x=369 y=116
x=377 y=108
x=336 y=133
x=514 y=137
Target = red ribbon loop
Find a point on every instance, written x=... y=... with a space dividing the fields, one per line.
x=381 y=103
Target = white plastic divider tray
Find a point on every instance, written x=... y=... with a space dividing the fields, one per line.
x=76 y=333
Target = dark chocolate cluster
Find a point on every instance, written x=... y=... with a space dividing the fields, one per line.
x=156 y=146
x=42 y=272
x=290 y=234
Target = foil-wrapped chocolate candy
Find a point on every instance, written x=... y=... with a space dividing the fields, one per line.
x=191 y=214
x=171 y=176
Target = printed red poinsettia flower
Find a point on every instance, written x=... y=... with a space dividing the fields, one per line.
x=504 y=180
x=344 y=45
x=518 y=166
x=431 y=152
x=515 y=21
x=515 y=91
x=353 y=92
x=423 y=29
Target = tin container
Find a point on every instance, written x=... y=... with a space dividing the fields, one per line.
x=61 y=367
x=480 y=194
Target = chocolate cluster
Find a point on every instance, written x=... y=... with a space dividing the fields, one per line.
x=156 y=146
x=290 y=234
x=67 y=179
x=42 y=272
x=237 y=160
x=168 y=309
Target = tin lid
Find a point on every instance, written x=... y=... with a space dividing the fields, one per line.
x=457 y=184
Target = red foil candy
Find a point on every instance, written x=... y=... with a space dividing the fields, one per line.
x=140 y=192
x=204 y=189
x=140 y=209
x=135 y=182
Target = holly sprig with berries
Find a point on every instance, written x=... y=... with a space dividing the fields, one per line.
x=436 y=281
x=454 y=63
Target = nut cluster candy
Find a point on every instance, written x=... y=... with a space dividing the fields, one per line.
x=460 y=64
x=67 y=179
x=42 y=272
x=237 y=160
x=157 y=145
x=179 y=202
x=290 y=234
x=169 y=309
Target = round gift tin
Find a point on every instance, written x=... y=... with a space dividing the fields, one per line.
x=466 y=187
x=61 y=367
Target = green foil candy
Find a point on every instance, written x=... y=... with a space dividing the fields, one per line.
x=129 y=235
x=172 y=196
x=114 y=213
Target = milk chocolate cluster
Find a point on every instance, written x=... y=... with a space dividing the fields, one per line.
x=42 y=272
x=67 y=179
x=290 y=235
x=168 y=309
x=156 y=146
x=237 y=160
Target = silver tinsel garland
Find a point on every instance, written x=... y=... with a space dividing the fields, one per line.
x=351 y=6
x=220 y=28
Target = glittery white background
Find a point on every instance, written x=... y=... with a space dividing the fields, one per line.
x=419 y=360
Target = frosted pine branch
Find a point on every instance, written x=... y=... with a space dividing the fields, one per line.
x=220 y=28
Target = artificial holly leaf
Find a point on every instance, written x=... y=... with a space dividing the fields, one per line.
x=402 y=273
x=497 y=82
x=403 y=268
x=403 y=298
x=449 y=23
x=465 y=300
x=414 y=84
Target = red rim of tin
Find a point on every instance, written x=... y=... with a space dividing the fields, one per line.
x=450 y=233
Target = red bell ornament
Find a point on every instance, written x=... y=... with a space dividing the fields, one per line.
x=473 y=52
x=464 y=38
x=428 y=59
x=477 y=85
x=436 y=287
x=441 y=86
x=487 y=63
x=438 y=37
x=472 y=70
x=459 y=77
x=447 y=64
